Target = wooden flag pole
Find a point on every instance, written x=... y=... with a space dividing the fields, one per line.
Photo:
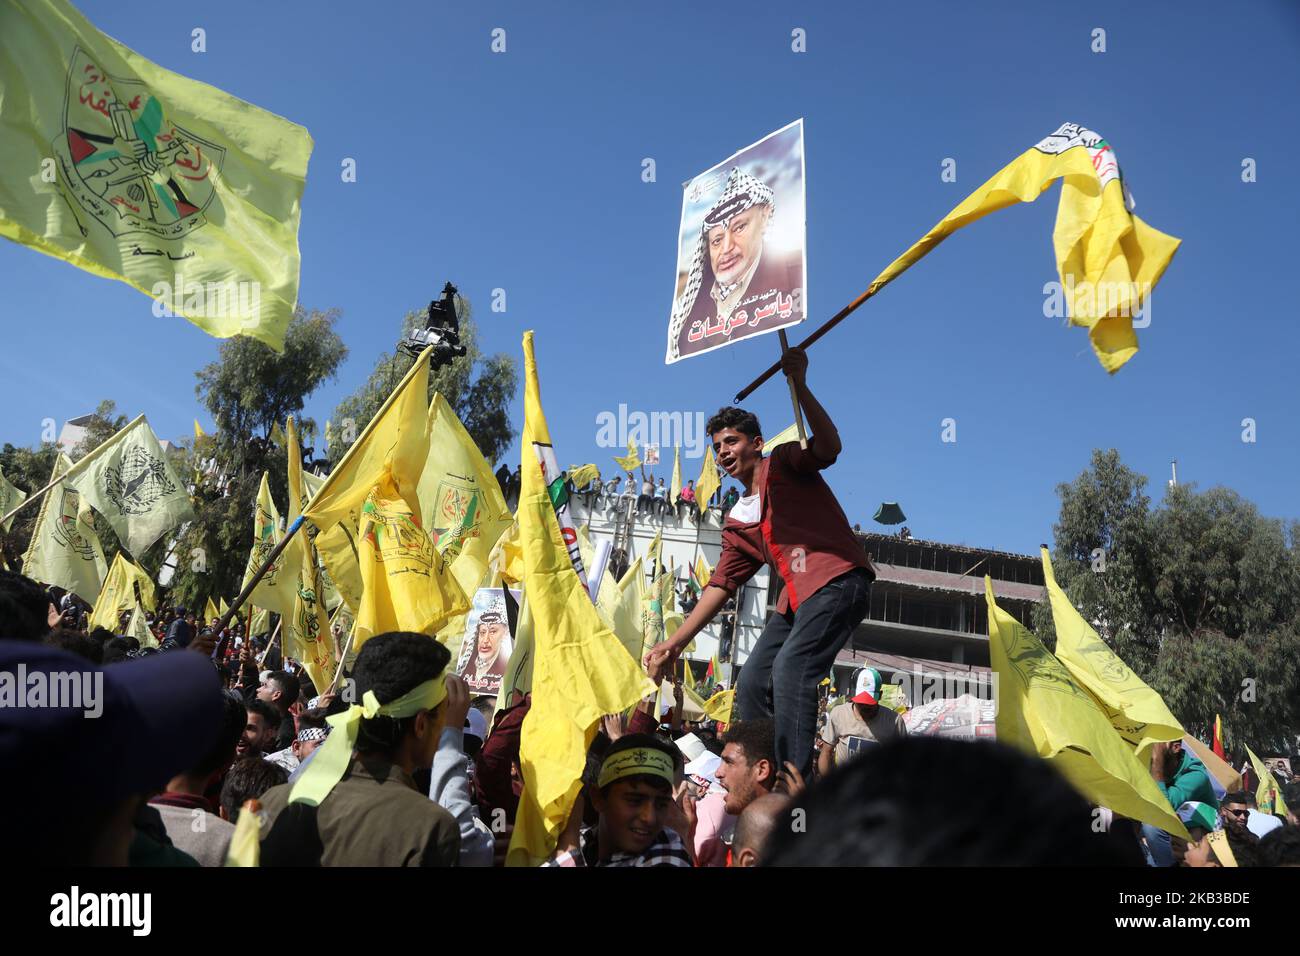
x=834 y=320
x=794 y=394
x=252 y=583
x=270 y=643
x=77 y=466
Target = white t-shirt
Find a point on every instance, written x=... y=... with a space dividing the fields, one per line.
x=747 y=510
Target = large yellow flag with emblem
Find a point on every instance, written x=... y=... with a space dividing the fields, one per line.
x=580 y=670
x=278 y=587
x=708 y=482
x=1042 y=711
x=1108 y=259
x=306 y=628
x=65 y=550
x=396 y=440
x=118 y=593
x=1136 y=712
x=461 y=503
x=136 y=173
x=129 y=481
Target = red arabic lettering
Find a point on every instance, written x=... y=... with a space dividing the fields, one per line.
x=121 y=201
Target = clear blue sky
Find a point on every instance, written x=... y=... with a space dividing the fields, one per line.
x=522 y=171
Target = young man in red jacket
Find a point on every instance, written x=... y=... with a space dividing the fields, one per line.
x=789 y=519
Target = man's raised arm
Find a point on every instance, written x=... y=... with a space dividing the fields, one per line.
x=660 y=659
x=825 y=441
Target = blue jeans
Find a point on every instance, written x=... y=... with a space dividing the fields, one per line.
x=794 y=652
x=1158 y=850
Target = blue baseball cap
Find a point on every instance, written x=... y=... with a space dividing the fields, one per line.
x=85 y=733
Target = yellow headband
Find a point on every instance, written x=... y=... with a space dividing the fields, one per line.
x=330 y=762
x=637 y=760
x=1219 y=844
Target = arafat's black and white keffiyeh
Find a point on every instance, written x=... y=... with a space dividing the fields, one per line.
x=742 y=192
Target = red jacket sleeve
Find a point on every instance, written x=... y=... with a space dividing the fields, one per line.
x=492 y=785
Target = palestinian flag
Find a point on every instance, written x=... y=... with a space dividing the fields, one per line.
x=1217 y=745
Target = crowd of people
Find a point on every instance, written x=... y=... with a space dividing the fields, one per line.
x=184 y=742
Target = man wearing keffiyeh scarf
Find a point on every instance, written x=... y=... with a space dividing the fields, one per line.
x=729 y=266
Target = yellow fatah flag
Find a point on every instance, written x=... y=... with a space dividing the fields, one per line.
x=789 y=434
x=278 y=587
x=632 y=460
x=406 y=584
x=702 y=571
x=625 y=609
x=584 y=475
x=245 y=843
x=119 y=593
x=708 y=482
x=1108 y=259
x=461 y=504
x=260 y=622
x=1268 y=795
x=718 y=707
x=507 y=556
x=139 y=628
x=129 y=481
x=396 y=440
x=65 y=550
x=169 y=185
x=306 y=629
x=1042 y=711
x=580 y=670
x=1136 y=712
x=210 y=613
x=10 y=498
x=675 y=486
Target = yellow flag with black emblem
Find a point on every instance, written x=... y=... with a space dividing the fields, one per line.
x=580 y=670
x=65 y=550
x=129 y=480
x=1136 y=711
x=1108 y=260
x=306 y=628
x=278 y=587
x=136 y=173
x=461 y=504
x=119 y=593
x=1042 y=711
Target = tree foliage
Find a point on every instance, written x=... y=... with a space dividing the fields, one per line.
x=1200 y=596
x=478 y=388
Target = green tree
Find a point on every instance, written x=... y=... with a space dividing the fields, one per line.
x=1200 y=596
x=28 y=469
x=102 y=424
x=478 y=388
x=1103 y=560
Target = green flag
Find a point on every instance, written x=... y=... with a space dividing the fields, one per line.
x=136 y=173
x=129 y=481
x=65 y=550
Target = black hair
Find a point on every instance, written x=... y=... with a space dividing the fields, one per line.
x=1291 y=794
x=1236 y=796
x=24 y=608
x=1244 y=846
x=313 y=719
x=101 y=634
x=895 y=806
x=288 y=687
x=710 y=741
x=248 y=779
x=75 y=642
x=1280 y=847
x=116 y=649
x=731 y=417
x=646 y=742
x=755 y=738
x=233 y=719
x=266 y=711
x=390 y=665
